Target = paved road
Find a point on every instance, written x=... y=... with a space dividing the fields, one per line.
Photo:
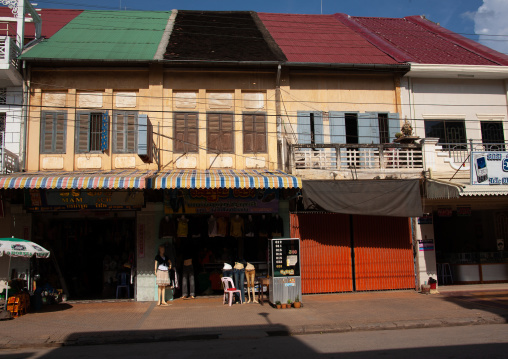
x=488 y=341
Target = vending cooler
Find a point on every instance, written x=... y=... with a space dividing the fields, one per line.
x=284 y=267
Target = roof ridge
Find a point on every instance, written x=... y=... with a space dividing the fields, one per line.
x=373 y=38
x=459 y=40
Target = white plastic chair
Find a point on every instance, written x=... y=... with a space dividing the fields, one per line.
x=230 y=290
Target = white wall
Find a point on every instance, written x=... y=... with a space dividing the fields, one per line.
x=462 y=99
x=13 y=119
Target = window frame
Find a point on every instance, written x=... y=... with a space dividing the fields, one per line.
x=89 y=132
x=186 y=142
x=447 y=144
x=383 y=122
x=53 y=132
x=221 y=132
x=125 y=132
x=254 y=132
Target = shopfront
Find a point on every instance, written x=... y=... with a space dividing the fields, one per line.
x=212 y=217
x=467 y=227
x=88 y=222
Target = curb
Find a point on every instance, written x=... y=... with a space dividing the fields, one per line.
x=136 y=338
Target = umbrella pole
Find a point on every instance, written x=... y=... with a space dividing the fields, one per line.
x=7 y=288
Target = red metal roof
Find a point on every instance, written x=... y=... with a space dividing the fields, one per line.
x=321 y=39
x=416 y=39
x=52 y=21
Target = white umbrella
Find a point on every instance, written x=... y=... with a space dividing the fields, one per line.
x=15 y=247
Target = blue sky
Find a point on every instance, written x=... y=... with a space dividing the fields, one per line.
x=485 y=17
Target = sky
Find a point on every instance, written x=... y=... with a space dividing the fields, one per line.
x=486 y=18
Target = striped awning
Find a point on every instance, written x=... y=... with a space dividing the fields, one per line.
x=225 y=179
x=119 y=179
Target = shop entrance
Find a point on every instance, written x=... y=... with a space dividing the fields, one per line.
x=90 y=255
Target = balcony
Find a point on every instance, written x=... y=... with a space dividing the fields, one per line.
x=356 y=160
x=9 y=71
x=9 y=161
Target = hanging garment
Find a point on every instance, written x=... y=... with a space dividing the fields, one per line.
x=222 y=227
x=183 y=227
x=237 y=226
x=212 y=227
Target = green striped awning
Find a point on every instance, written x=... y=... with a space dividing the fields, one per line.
x=225 y=179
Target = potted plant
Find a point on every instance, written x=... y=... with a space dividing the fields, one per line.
x=277 y=304
x=283 y=305
x=289 y=304
x=297 y=302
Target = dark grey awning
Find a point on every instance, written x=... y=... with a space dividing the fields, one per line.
x=394 y=198
x=439 y=190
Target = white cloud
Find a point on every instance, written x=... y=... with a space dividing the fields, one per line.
x=491 y=19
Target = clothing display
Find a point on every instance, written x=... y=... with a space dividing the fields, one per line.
x=222 y=226
x=162 y=279
x=166 y=227
x=277 y=226
x=237 y=226
x=250 y=227
x=212 y=227
x=183 y=227
x=239 y=279
x=263 y=226
x=188 y=285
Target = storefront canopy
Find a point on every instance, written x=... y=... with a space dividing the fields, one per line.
x=225 y=179
x=118 y=179
x=461 y=188
x=394 y=198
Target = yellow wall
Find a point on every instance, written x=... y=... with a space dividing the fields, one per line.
x=156 y=88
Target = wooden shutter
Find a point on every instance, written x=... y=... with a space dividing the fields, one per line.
x=393 y=125
x=60 y=131
x=192 y=132
x=82 y=132
x=337 y=127
x=303 y=128
x=227 y=127
x=47 y=132
x=214 y=131
x=260 y=133
x=248 y=134
x=131 y=133
x=179 y=134
x=318 y=128
x=119 y=134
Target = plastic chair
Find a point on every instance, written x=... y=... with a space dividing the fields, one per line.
x=230 y=290
x=122 y=283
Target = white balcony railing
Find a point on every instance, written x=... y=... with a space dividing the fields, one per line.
x=342 y=156
x=9 y=51
x=9 y=161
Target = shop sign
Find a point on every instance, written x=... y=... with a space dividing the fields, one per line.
x=425 y=219
x=463 y=211
x=425 y=245
x=489 y=168
x=444 y=212
x=221 y=200
x=285 y=257
x=62 y=200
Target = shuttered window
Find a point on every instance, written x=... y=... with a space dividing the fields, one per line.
x=125 y=124
x=220 y=132
x=53 y=132
x=254 y=133
x=185 y=132
x=89 y=131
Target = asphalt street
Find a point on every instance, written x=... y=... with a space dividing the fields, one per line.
x=487 y=341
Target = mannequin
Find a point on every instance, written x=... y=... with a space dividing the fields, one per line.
x=162 y=267
x=250 y=274
x=188 y=269
x=166 y=233
x=212 y=226
x=239 y=277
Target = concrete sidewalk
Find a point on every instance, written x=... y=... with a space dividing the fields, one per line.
x=207 y=318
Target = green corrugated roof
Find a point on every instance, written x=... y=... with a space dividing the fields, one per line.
x=105 y=35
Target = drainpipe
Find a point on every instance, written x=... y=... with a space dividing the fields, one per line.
x=25 y=104
x=281 y=155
